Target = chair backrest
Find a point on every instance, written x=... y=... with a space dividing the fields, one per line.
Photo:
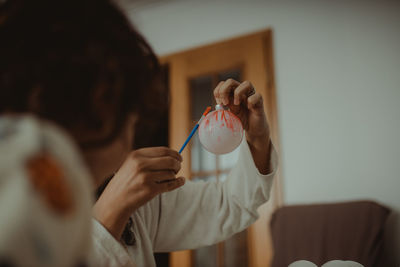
x=324 y=232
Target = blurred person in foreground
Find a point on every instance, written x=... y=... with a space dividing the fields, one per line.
x=81 y=66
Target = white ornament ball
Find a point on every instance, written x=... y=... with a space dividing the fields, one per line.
x=221 y=131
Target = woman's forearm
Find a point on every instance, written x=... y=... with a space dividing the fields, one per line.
x=113 y=219
x=260 y=148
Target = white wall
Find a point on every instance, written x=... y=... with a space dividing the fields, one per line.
x=338 y=85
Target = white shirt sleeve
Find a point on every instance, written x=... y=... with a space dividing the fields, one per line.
x=204 y=213
x=106 y=250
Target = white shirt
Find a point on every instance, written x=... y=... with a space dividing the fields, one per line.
x=195 y=215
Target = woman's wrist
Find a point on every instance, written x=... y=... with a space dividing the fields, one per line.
x=113 y=215
x=260 y=147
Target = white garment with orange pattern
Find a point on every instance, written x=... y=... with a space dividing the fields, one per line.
x=37 y=226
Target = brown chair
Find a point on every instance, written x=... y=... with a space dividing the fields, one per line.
x=323 y=232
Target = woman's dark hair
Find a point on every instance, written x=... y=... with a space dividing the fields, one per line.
x=79 y=63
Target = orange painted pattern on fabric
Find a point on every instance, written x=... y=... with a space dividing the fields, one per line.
x=49 y=180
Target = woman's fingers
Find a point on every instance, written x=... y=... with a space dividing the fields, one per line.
x=255 y=102
x=225 y=90
x=244 y=90
x=216 y=92
x=161 y=176
x=229 y=90
x=173 y=184
x=163 y=181
x=155 y=152
x=168 y=185
x=167 y=163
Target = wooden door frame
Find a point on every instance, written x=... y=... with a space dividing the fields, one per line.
x=261 y=74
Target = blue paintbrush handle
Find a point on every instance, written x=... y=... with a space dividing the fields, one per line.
x=188 y=139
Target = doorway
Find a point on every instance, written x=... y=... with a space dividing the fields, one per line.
x=193 y=75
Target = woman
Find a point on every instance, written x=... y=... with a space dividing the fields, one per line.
x=81 y=65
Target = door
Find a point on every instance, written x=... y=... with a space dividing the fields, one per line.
x=193 y=75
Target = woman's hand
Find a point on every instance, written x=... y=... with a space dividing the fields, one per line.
x=145 y=173
x=247 y=104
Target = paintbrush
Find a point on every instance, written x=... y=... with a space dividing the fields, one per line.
x=194 y=129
